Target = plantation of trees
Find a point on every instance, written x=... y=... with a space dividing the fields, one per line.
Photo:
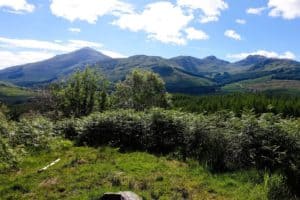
x=225 y=134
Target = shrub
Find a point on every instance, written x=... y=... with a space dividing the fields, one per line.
x=33 y=134
x=206 y=145
x=165 y=131
x=8 y=158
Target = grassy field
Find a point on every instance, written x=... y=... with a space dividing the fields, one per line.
x=87 y=173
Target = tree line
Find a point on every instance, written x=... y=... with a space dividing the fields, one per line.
x=286 y=105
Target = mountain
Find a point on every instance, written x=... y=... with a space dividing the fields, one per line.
x=196 y=65
x=177 y=79
x=51 y=69
x=182 y=74
x=249 y=61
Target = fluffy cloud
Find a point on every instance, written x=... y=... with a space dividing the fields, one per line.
x=269 y=54
x=255 y=11
x=18 y=6
x=232 y=34
x=113 y=54
x=162 y=21
x=211 y=9
x=74 y=30
x=88 y=10
x=194 y=34
x=240 y=21
x=8 y=58
x=287 y=9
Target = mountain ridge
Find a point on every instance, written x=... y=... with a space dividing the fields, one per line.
x=181 y=73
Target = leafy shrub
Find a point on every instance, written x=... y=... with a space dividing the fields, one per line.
x=8 y=158
x=33 y=134
x=165 y=131
x=206 y=145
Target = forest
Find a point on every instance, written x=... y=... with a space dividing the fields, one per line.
x=246 y=143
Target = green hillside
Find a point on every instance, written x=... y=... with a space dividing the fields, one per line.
x=264 y=84
x=12 y=94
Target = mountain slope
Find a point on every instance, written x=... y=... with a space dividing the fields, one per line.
x=11 y=94
x=177 y=79
x=51 y=69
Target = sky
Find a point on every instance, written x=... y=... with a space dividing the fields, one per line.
x=34 y=30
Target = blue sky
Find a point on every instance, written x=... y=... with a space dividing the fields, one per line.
x=33 y=30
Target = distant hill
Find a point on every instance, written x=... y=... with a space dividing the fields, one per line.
x=12 y=94
x=51 y=69
x=182 y=74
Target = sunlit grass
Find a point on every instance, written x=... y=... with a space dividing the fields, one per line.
x=87 y=173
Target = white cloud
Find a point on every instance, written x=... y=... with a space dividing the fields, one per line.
x=88 y=10
x=113 y=54
x=207 y=19
x=211 y=9
x=232 y=34
x=255 y=11
x=74 y=30
x=194 y=34
x=8 y=58
x=17 y=6
x=46 y=45
x=240 y=21
x=269 y=54
x=287 y=9
x=162 y=21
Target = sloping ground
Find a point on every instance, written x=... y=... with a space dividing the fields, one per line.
x=264 y=84
x=11 y=94
x=87 y=173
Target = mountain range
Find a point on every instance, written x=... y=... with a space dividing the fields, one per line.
x=182 y=74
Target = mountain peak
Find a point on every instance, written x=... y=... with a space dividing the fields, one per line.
x=211 y=58
x=88 y=52
x=256 y=57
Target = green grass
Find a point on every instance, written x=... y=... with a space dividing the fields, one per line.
x=87 y=173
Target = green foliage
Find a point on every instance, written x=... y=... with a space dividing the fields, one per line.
x=8 y=158
x=141 y=90
x=81 y=94
x=32 y=134
x=260 y=103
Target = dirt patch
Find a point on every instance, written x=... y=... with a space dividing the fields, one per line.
x=49 y=182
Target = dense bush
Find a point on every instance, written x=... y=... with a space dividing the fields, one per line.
x=222 y=141
x=32 y=134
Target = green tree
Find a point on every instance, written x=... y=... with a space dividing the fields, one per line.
x=81 y=93
x=141 y=90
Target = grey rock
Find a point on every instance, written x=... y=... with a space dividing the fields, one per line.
x=127 y=195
